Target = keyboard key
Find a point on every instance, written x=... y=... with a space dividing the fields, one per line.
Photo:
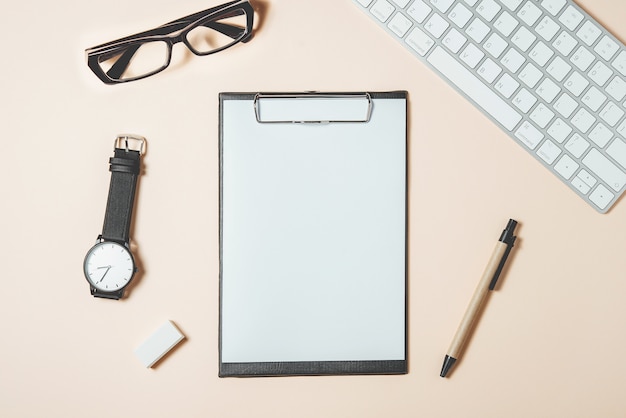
x=436 y=25
x=442 y=5
x=621 y=129
x=382 y=9
x=617 y=150
x=617 y=89
x=488 y=9
x=495 y=45
x=565 y=43
x=558 y=69
x=559 y=130
x=576 y=83
x=471 y=2
x=400 y=25
x=523 y=38
x=593 y=98
x=419 y=11
x=566 y=167
x=608 y=172
x=601 y=196
x=600 y=135
x=471 y=55
x=583 y=120
x=477 y=30
x=364 y=3
x=553 y=6
x=506 y=24
x=542 y=115
x=577 y=145
x=547 y=28
x=474 y=88
x=419 y=41
x=541 y=53
x=600 y=73
x=454 y=40
x=611 y=114
x=571 y=18
x=524 y=100
x=529 y=13
x=588 y=33
x=587 y=178
x=489 y=70
x=606 y=48
x=530 y=75
x=507 y=85
x=620 y=63
x=460 y=15
x=548 y=90
x=565 y=105
x=580 y=185
x=511 y=4
x=401 y=3
x=513 y=60
x=548 y=151
x=529 y=135
x=582 y=58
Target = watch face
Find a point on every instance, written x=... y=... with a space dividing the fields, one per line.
x=109 y=266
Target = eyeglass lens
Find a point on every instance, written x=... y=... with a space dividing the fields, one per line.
x=136 y=60
x=148 y=57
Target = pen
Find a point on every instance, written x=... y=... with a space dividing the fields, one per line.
x=487 y=283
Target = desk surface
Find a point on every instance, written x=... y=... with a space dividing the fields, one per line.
x=551 y=339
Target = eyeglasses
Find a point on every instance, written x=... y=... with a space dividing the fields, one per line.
x=147 y=53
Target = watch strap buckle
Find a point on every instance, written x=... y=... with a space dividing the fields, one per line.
x=130 y=142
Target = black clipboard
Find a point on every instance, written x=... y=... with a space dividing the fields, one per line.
x=312 y=233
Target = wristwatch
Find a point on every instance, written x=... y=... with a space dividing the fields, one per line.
x=109 y=265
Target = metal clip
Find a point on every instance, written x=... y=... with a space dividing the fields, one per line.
x=125 y=137
x=367 y=114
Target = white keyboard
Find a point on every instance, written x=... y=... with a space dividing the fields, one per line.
x=543 y=70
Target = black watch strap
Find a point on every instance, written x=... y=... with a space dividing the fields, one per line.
x=117 y=295
x=124 y=167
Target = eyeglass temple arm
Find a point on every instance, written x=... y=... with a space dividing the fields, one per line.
x=231 y=31
x=175 y=25
x=117 y=69
x=228 y=30
x=184 y=21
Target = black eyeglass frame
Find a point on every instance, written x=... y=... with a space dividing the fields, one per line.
x=172 y=33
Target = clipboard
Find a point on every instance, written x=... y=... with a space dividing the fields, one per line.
x=312 y=233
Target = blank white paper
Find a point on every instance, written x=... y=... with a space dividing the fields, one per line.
x=313 y=237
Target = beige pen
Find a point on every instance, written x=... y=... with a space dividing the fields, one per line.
x=487 y=283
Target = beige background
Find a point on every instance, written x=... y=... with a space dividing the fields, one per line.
x=551 y=341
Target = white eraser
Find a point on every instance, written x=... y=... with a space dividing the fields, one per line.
x=158 y=344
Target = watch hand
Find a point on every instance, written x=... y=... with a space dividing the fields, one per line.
x=105 y=273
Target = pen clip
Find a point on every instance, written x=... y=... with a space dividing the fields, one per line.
x=496 y=276
x=507 y=238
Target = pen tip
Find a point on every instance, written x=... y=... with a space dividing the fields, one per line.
x=448 y=362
